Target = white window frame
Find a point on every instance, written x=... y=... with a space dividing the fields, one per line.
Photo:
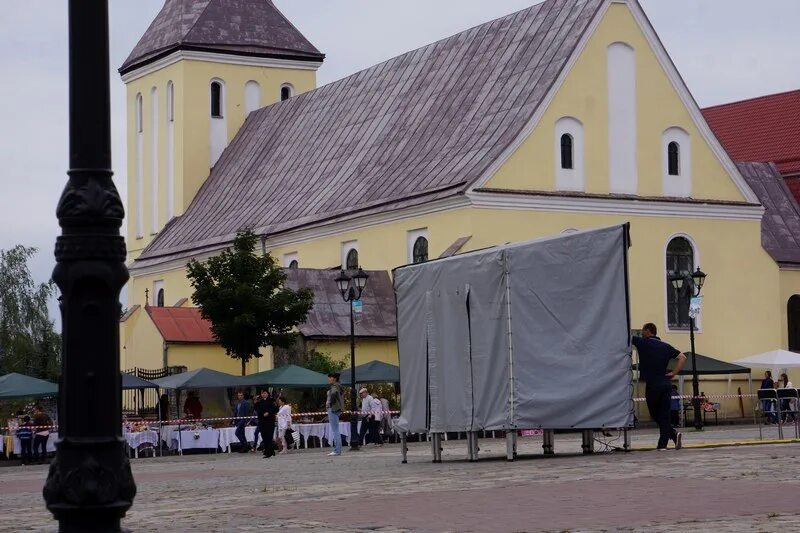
x=411 y=238
x=157 y=286
x=679 y=186
x=698 y=324
x=287 y=86
x=346 y=247
x=569 y=179
x=288 y=258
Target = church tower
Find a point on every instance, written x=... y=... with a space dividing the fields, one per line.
x=201 y=67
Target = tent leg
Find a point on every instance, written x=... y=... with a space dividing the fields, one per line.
x=436 y=447
x=404 y=447
x=547 y=442
x=510 y=445
x=626 y=440
x=587 y=444
x=472 y=445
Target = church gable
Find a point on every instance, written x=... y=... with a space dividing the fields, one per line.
x=619 y=121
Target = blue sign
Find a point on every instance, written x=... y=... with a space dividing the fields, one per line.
x=357 y=307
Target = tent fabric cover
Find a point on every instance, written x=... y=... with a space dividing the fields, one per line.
x=202 y=378
x=706 y=366
x=773 y=359
x=286 y=376
x=21 y=386
x=373 y=372
x=129 y=381
x=527 y=335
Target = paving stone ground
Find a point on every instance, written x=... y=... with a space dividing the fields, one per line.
x=726 y=489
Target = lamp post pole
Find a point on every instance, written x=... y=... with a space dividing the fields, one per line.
x=90 y=485
x=698 y=420
x=351 y=289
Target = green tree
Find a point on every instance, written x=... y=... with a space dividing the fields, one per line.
x=243 y=295
x=29 y=343
x=322 y=363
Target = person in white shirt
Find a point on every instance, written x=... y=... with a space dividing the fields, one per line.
x=375 y=423
x=787 y=406
x=285 y=424
x=386 y=416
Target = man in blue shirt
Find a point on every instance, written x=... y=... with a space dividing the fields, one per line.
x=654 y=356
x=241 y=410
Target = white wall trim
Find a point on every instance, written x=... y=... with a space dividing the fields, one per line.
x=698 y=324
x=411 y=239
x=228 y=59
x=170 y=163
x=569 y=179
x=252 y=96
x=139 y=163
x=617 y=206
x=679 y=186
x=533 y=123
x=622 y=121
x=688 y=100
x=154 y=169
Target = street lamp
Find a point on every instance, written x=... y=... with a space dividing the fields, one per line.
x=694 y=284
x=89 y=486
x=351 y=289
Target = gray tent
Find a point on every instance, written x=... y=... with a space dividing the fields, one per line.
x=289 y=376
x=529 y=335
x=129 y=381
x=202 y=378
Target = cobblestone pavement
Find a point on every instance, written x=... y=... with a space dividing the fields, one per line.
x=748 y=488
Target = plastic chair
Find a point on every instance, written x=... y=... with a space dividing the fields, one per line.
x=788 y=400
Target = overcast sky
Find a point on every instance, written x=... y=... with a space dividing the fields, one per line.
x=726 y=50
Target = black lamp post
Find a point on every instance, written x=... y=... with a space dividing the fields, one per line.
x=693 y=284
x=351 y=289
x=90 y=485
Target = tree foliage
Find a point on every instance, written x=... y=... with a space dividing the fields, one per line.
x=322 y=363
x=242 y=294
x=29 y=343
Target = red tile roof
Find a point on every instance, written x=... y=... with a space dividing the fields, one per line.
x=181 y=324
x=766 y=128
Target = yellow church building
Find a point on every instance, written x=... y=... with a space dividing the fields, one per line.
x=567 y=115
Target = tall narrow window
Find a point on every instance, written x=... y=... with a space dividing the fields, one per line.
x=566 y=151
x=420 y=250
x=139 y=163
x=680 y=261
x=252 y=96
x=352 y=259
x=154 y=168
x=673 y=155
x=139 y=113
x=216 y=99
x=170 y=164
x=293 y=263
x=622 y=121
x=160 y=298
x=286 y=91
x=170 y=102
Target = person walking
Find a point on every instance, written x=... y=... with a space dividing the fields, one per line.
x=366 y=417
x=334 y=403
x=787 y=406
x=241 y=412
x=285 y=423
x=768 y=406
x=266 y=411
x=376 y=409
x=42 y=425
x=654 y=356
x=386 y=415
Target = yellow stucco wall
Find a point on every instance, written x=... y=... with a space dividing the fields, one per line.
x=141 y=343
x=194 y=356
x=366 y=350
x=584 y=95
x=191 y=79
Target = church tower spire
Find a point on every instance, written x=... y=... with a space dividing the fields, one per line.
x=192 y=79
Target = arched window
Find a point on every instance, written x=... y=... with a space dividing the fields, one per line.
x=293 y=264
x=566 y=151
x=160 y=298
x=793 y=316
x=287 y=91
x=170 y=102
x=252 y=96
x=216 y=99
x=680 y=261
x=673 y=155
x=352 y=260
x=420 y=250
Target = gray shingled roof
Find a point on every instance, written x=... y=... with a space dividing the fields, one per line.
x=242 y=27
x=780 y=227
x=330 y=316
x=421 y=126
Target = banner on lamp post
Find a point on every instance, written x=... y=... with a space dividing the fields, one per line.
x=695 y=306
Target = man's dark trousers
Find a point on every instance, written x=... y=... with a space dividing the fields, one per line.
x=267 y=430
x=40 y=441
x=240 y=434
x=658 y=403
x=26 y=446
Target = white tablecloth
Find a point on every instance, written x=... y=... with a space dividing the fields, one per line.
x=137 y=438
x=51 y=443
x=322 y=431
x=185 y=440
x=227 y=436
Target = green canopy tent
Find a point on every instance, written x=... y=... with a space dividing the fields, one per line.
x=373 y=372
x=289 y=376
x=202 y=378
x=129 y=381
x=22 y=386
